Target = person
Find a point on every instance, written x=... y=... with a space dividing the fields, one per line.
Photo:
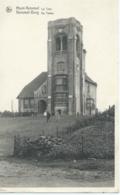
x=48 y=116
x=58 y=114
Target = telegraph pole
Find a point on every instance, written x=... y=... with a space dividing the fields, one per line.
x=12 y=106
x=12 y=109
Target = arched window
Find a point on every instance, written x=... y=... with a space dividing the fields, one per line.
x=61 y=42
x=58 y=44
x=64 y=42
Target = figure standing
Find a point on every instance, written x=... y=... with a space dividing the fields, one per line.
x=48 y=116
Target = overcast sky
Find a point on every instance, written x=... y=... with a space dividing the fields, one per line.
x=23 y=45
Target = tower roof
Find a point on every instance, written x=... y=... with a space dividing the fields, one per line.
x=64 y=21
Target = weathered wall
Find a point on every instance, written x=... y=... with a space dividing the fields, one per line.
x=91 y=93
x=22 y=108
x=71 y=58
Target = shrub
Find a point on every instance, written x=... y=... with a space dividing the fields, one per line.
x=7 y=114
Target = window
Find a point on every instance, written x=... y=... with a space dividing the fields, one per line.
x=26 y=103
x=60 y=99
x=60 y=88
x=61 y=42
x=60 y=84
x=64 y=42
x=31 y=103
x=60 y=67
x=88 y=89
x=58 y=44
x=59 y=81
x=90 y=105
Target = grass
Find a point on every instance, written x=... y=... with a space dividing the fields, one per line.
x=33 y=127
x=98 y=135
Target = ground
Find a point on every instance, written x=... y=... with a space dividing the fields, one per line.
x=21 y=173
x=28 y=173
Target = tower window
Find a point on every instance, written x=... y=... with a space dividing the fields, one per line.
x=60 y=99
x=61 y=42
x=60 y=84
x=60 y=67
x=64 y=42
x=58 y=44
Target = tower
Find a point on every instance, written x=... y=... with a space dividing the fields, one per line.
x=65 y=67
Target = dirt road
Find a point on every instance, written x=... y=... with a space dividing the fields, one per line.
x=20 y=173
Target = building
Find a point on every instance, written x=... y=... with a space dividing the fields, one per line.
x=65 y=88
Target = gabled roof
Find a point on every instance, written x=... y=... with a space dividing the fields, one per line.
x=89 y=80
x=28 y=90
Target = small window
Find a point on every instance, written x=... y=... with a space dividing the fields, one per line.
x=26 y=103
x=61 y=81
x=60 y=88
x=88 y=89
x=31 y=103
x=61 y=98
x=64 y=43
x=60 y=67
x=58 y=44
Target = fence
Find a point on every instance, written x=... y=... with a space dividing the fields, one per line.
x=6 y=145
x=93 y=146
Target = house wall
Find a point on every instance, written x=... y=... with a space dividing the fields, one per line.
x=40 y=95
x=90 y=92
x=26 y=105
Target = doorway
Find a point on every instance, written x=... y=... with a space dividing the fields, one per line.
x=41 y=106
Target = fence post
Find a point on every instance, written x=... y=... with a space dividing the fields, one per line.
x=57 y=132
x=43 y=132
x=82 y=139
x=70 y=131
x=14 y=152
x=106 y=138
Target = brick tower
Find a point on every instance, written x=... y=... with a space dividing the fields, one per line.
x=66 y=67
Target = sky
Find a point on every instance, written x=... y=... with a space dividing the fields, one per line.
x=23 y=45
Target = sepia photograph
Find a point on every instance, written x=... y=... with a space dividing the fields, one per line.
x=59 y=96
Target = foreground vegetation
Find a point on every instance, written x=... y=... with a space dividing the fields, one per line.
x=69 y=138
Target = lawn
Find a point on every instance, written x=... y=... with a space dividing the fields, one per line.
x=34 y=126
x=58 y=172
x=81 y=135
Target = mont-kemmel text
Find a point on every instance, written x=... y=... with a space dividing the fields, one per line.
x=29 y=10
